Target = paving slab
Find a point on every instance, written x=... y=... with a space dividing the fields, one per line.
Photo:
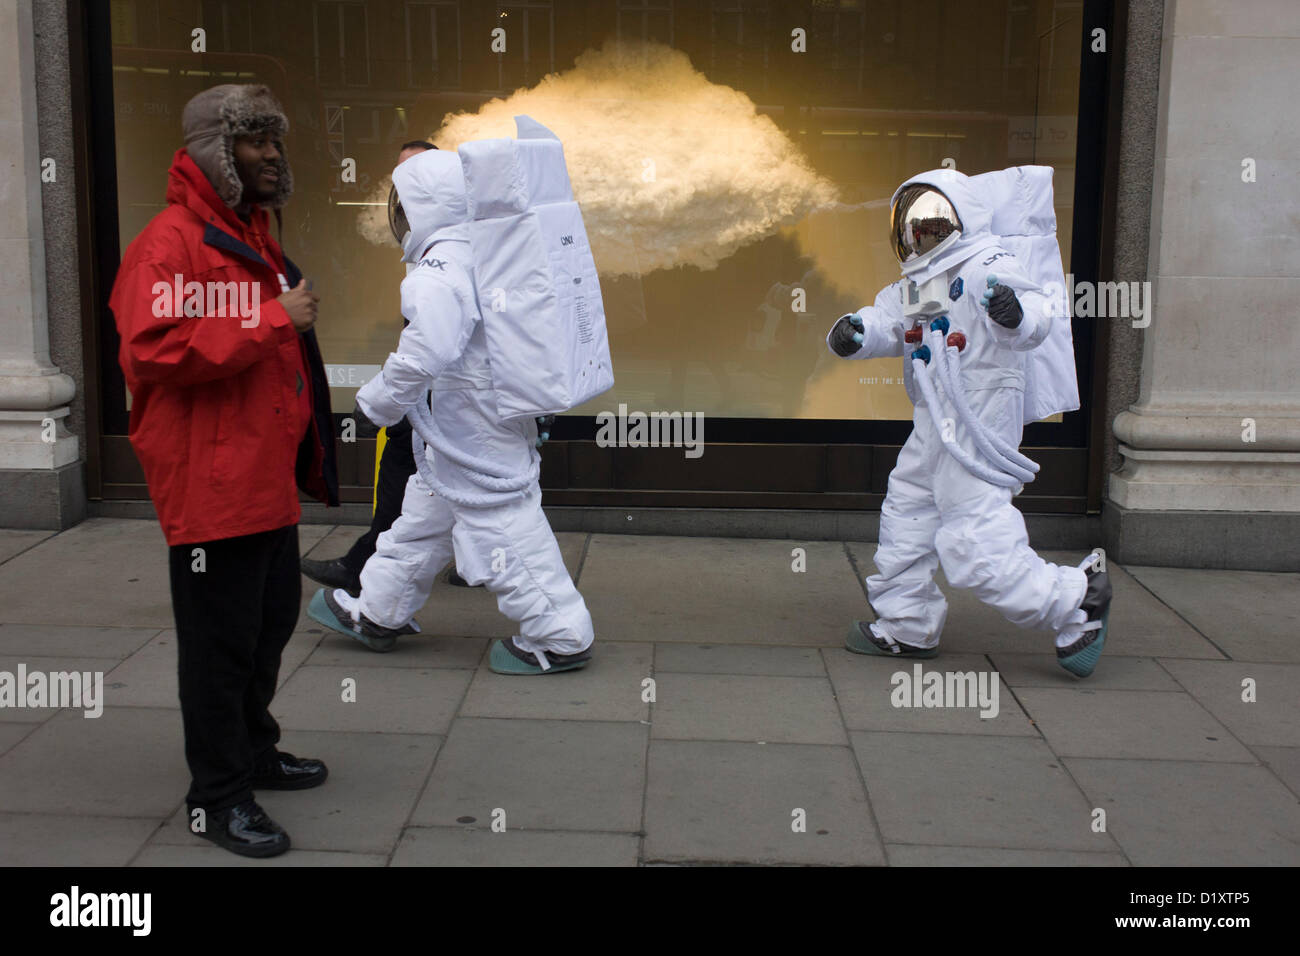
x=46 y=666
x=309 y=535
x=129 y=762
x=117 y=570
x=732 y=590
x=148 y=678
x=11 y=733
x=451 y=611
x=15 y=541
x=333 y=543
x=1272 y=718
x=747 y=659
x=69 y=640
x=724 y=802
x=964 y=790
x=791 y=710
x=1140 y=624
x=866 y=687
x=1251 y=615
x=397 y=700
x=1194 y=814
x=209 y=855
x=373 y=783
x=544 y=774
x=416 y=650
x=462 y=846
x=902 y=855
x=609 y=688
x=38 y=839
x=1285 y=762
x=1123 y=723
x=1112 y=673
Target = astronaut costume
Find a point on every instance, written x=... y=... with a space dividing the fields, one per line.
x=983 y=319
x=476 y=493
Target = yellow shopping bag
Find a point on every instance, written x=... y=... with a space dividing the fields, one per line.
x=380 y=440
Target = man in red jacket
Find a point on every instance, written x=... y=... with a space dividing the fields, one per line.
x=230 y=415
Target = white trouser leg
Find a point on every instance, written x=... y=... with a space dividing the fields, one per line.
x=983 y=544
x=513 y=551
x=909 y=606
x=397 y=579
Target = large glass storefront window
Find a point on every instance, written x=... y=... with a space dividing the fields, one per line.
x=734 y=158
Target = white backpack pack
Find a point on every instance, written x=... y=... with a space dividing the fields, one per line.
x=538 y=291
x=1024 y=219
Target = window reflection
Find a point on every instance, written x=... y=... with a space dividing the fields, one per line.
x=880 y=91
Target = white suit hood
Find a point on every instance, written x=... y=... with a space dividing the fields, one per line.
x=973 y=210
x=431 y=186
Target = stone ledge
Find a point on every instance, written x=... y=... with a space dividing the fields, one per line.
x=43 y=499
x=1228 y=540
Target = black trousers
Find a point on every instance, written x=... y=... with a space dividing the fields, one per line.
x=395 y=469
x=233 y=619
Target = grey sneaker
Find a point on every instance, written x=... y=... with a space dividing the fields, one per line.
x=326 y=608
x=863 y=640
x=1079 y=657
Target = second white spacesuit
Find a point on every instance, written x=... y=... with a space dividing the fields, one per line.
x=476 y=494
x=949 y=496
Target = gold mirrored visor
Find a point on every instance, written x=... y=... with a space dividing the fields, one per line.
x=397 y=216
x=921 y=218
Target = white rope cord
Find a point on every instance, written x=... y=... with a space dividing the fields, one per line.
x=498 y=489
x=990 y=445
x=979 y=469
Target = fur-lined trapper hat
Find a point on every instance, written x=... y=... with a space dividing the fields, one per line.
x=213 y=119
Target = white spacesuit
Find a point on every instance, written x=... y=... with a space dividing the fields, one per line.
x=476 y=491
x=989 y=351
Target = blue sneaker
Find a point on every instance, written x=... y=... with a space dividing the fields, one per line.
x=338 y=611
x=1079 y=657
x=863 y=640
x=508 y=658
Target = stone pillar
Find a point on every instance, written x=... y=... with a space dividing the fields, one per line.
x=39 y=458
x=1211 y=449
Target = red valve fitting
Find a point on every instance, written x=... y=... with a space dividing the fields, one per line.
x=957 y=340
x=913 y=335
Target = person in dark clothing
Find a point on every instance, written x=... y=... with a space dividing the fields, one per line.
x=230 y=416
x=396 y=466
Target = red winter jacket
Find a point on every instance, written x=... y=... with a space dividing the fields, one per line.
x=229 y=404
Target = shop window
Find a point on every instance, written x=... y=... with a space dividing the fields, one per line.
x=433 y=45
x=530 y=43
x=645 y=20
x=342 y=43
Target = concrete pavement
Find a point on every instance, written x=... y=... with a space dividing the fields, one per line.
x=721 y=721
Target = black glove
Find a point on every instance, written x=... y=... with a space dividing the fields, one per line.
x=1002 y=305
x=544 y=424
x=846 y=335
x=365 y=427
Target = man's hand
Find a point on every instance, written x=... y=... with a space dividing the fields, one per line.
x=846 y=335
x=300 y=302
x=365 y=427
x=1002 y=305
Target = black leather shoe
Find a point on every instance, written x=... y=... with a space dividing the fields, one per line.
x=244 y=829
x=332 y=573
x=287 y=772
x=454 y=579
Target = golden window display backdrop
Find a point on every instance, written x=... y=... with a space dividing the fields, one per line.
x=727 y=178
